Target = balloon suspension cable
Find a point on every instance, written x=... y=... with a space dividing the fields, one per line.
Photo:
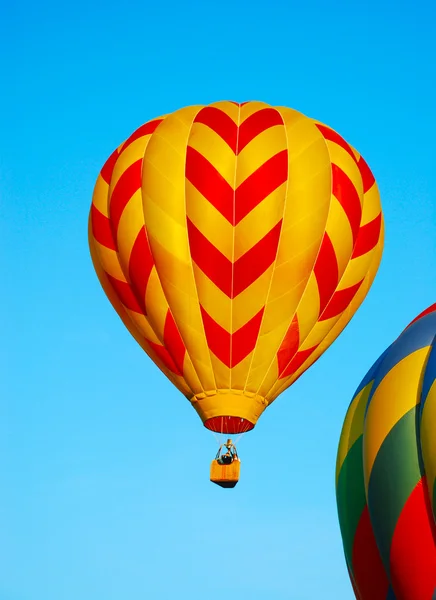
x=240 y=436
x=217 y=437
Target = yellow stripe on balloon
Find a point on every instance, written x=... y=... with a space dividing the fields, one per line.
x=214 y=301
x=100 y=196
x=395 y=395
x=257 y=374
x=277 y=311
x=209 y=221
x=262 y=359
x=340 y=157
x=318 y=332
x=230 y=108
x=210 y=145
x=259 y=150
x=371 y=205
x=358 y=267
x=339 y=231
x=132 y=153
x=308 y=310
x=130 y=225
x=156 y=304
x=353 y=426
x=249 y=302
x=246 y=110
x=164 y=166
x=239 y=373
x=109 y=258
x=259 y=222
x=143 y=326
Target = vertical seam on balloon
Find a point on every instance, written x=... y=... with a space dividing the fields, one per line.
x=192 y=269
x=163 y=290
x=233 y=249
x=275 y=260
x=303 y=292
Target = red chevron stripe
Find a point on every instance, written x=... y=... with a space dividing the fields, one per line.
x=173 y=342
x=129 y=182
x=368 y=237
x=164 y=356
x=339 y=302
x=218 y=268
x=332 y=136
x=260 y=184
x=367 y=176
x=220 y=123
x=231 y=349
x=210 y=260
x=218 y=338
x=145 y=129
x=413 y=548
x=108 y=167
x=298 y=360
x=210 y=183
x=244 y=340
x=140 y=265
x=289 y=347
x=101 y=229
x=257 y=123
x=326 y=272
x=343 y=189
x=125 y=294
x=368 y=570
x=251 y=265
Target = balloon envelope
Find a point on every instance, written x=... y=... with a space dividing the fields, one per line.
x=235 y=241
x=386 y=471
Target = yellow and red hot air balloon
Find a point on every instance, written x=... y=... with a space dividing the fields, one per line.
x=386 y=471
x=235 y=241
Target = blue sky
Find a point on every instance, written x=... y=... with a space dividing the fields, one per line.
x=103 y=465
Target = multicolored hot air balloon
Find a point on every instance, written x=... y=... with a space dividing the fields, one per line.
x=386 y=471
x=235 y=241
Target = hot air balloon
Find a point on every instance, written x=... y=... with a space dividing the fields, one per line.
x=235 y=241
x=386 y=471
